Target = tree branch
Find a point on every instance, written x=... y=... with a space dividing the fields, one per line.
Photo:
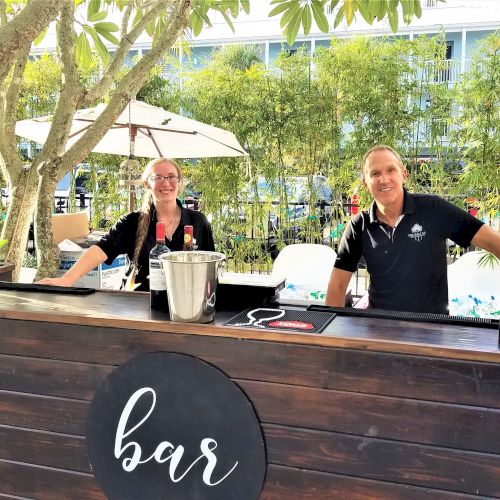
x=109 y=76
x=129 y=85
x=71 y=89
x=18 y=34
x=8 y=140
x=126 y=19
x=3 y=13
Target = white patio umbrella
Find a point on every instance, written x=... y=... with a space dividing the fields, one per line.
x=154 y=132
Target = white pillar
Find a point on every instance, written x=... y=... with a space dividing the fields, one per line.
x=266 y=54
x=464 y=42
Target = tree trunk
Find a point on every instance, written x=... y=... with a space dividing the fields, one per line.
x=19 y=217
x=48 y=254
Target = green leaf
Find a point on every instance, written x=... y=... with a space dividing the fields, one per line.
x=98 y=16
x=99 y=46
x=196 y=23
x=282 y=7
x=393 y=19
x=245 y=5
x=349 y=11
x=382 y=10
x=110 y=27
x=40 y=37
x=228 y=21
x=107 y=35
x=83 y=52
x=417 y=8
x=137 y=17
x=293 y=27
x=339 y=17
x=407 y=10
x=333 y=4
x=364 y=9
x=319 y=16
x=289 y=14
x=150 y=28
x=93 y=7
x=306 y=19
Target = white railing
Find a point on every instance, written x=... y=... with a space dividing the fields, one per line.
x=447 y=71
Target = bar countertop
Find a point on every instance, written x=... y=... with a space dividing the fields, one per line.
x=131 y=310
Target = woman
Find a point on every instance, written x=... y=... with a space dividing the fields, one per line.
x=135 y=233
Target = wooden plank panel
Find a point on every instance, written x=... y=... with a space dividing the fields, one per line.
x=388 y=374
x=454 y=426
x=51 y=377
x=425 y=466
x=43 y=413
x=44 y=448
x=368 y=458
x=44 y=483
x=295 y=484
x=281 y=482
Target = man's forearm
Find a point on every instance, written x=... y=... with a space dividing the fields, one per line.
x=337 y=286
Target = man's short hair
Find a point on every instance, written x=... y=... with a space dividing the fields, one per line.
x=380 y=147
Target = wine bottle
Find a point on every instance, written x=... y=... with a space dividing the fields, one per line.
x=188 y=238
x=157 y=282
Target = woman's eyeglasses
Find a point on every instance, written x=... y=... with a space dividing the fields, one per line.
x=174 y=179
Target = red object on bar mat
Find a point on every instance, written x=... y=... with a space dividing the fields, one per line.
x=292 y=320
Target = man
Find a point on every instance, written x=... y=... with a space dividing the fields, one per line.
x=403 y=240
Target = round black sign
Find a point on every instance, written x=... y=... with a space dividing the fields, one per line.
x=170 y=426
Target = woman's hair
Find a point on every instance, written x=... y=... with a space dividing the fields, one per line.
x=380 y=147
x=147 y=206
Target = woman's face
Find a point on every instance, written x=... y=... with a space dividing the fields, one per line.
x=163 y=181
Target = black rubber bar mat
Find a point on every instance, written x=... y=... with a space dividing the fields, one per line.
x=282 y=319
x=408 y=316
x=32 y=287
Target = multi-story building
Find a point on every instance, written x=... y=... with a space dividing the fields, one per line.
x=465 y=23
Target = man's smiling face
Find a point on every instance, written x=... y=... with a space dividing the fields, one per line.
x=383 y=176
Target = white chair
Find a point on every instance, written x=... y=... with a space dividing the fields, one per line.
x=305 y=265
x=466 y=277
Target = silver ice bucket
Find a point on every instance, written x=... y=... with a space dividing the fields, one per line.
x=191 y=284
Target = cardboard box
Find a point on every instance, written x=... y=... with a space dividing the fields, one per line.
x=103 y=276
x=70 y=226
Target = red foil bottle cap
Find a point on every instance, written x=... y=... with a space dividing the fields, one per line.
x=188 y=236
x=160 y=231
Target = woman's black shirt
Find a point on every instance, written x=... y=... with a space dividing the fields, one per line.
x=121 y=239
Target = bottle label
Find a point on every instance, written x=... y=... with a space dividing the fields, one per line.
x=156 y=275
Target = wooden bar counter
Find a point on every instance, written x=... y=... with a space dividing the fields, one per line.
x=370 y=408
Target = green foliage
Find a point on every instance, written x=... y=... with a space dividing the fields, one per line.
x=476 y=125
x=297 y=13
x=303 y=119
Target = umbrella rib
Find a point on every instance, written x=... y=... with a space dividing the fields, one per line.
x=79 y=131
x=150 y=135
x=219 y=142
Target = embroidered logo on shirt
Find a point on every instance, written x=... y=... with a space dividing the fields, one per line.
x=416 y=232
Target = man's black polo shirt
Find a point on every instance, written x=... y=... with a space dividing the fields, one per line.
x=407 y=264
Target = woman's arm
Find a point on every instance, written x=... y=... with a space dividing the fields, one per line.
x=88 y=261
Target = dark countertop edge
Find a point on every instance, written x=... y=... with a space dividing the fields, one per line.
x=211 y=329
